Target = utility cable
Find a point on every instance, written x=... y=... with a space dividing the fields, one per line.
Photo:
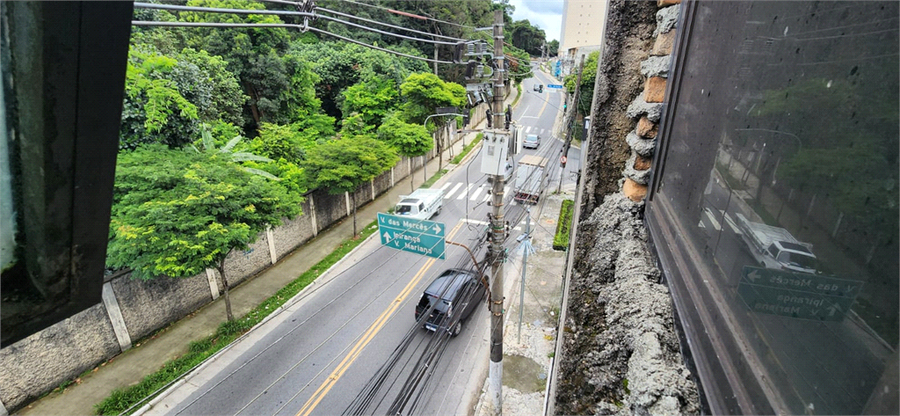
x=285 y=25
x=285 y=13
x=410 y=14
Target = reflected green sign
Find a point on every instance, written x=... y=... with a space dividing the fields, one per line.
x=798 y=295
x=415 y=236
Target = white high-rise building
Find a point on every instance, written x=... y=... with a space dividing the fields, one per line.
x=583 y=23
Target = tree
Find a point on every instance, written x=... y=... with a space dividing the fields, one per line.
x=410 y=140
x=525 y=36
x=343 y=165
x=588 y=73
x=178 y=212
x=552 y=47
x=167 y=97
x=424 y=93
x=372 y=99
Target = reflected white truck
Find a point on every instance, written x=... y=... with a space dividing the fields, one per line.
x=775 y=247
x=421 y=204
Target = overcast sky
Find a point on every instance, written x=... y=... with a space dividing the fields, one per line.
x=545 y=14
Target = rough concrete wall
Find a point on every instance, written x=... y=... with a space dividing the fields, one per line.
x=621 y=354
x=151 y=304
x=383 y=183
x=292 y=233
x=629 y=30
x=329 y=208
x=401 y=170
x=41 y=361
x=241 y=264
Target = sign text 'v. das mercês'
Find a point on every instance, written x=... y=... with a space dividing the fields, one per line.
x=798 y=295
x=412 y=235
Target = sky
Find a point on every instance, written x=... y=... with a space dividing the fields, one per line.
x=545 y=14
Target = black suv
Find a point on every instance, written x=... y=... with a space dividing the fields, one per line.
x=449 y=300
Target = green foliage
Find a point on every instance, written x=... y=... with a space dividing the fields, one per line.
x=409 y=139
x=198 y=351
x=340 y=65
x=552 y=47
x=425 y=92
x=179 y=212
x=371 y=99
x=523 y=35
x=343 y=165
x=561 y=239
x=589 y=72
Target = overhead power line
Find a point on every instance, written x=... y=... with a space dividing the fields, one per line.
x=284 y=25
x=284 y=13
x=407 y=14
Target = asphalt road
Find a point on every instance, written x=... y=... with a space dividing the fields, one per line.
x=319 y=355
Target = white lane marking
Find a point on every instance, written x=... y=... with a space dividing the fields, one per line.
x=464 y=193
x=712 y=219
x=444 y=188
x=476 y=193
x=731 y=224
x=452 y=191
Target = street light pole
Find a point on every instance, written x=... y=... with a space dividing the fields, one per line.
x=498 y=231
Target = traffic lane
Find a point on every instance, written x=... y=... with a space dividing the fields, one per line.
x=377 y=352
x=302 y=345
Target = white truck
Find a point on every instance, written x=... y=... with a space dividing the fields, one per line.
x=421 y=204
x=775 y=247
x=530 y=179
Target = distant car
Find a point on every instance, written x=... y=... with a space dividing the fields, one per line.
x=532 y=141
x=449 y=300
x=539 y=87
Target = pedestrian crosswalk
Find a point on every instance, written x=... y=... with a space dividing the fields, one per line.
x=461 y=191
x=536 y=130
x=711 y=218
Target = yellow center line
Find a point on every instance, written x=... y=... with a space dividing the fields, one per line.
x=376 y=326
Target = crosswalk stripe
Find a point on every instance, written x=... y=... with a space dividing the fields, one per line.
x=464 y=193
x=444 y=188
x=452 y=191
x=476 y=193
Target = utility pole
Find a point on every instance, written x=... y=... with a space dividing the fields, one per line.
x=498 y=231
x=570 y=126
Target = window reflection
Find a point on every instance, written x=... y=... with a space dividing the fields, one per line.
x=781 y=164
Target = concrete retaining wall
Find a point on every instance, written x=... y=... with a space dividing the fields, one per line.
x=43 y=361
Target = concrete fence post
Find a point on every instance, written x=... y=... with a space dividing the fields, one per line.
x=115 y=316
x=372 y=182
x=213 y=284
x=270 y=238
x=392 y=176
x=312 y=214
x=347 y=200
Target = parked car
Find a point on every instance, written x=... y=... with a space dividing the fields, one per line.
x=449 y=300
x=539 y=87
x=532 y=141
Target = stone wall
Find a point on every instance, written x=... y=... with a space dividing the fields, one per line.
x=134 y=308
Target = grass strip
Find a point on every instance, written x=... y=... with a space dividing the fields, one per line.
x=466 y=149
x=121 y=399
x=433 y=178
x=561 y=239
x=519 y=95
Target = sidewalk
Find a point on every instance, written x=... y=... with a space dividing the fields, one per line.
x=149 y=355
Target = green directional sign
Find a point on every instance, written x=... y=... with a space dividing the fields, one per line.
x=799 y=295
x=412 y=235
